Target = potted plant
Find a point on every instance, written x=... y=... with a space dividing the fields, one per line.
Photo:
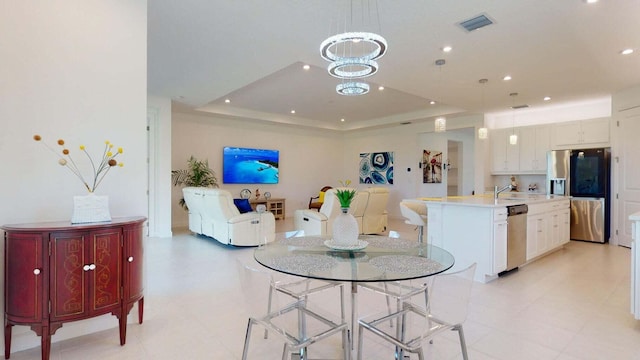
x=198 y=174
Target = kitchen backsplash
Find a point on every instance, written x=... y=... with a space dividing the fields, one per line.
x=523 y=181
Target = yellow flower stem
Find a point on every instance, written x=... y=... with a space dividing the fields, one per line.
x=93 y=166
x=74 y=169
x=104 y=173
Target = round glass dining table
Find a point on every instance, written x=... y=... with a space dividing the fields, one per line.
x=375 y=258
x=383 y=259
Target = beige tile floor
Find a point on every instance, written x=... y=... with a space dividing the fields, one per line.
x=570 y=305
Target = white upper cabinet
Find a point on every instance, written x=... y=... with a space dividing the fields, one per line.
x=581 y=134
x=506 y=158
x=534 y=145
x=528 y=156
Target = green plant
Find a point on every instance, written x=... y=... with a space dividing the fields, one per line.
x=345 y=195
x=197 y=174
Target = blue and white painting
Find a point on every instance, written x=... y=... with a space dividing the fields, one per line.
x=250 y=166
x=376 y=168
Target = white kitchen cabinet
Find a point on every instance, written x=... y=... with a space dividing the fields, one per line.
x=581 y=134
x=472 y=234
x=555 y=220
x=500 y=240
x=562 y=213
x=534 y=144
x=505 y=157
x=537 y=236
x=474 y=229
x=547 y=227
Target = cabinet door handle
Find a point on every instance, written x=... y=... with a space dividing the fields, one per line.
x=36 y=271
x=86 y=268
x=92 y=267
x=130 y=259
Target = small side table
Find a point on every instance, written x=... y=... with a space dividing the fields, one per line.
x=274 y=205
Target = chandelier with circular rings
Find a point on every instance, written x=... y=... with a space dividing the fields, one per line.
x=356 y=68
x=352 y=88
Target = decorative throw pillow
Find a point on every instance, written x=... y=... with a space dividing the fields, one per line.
x=243 y=205
x=321 y=197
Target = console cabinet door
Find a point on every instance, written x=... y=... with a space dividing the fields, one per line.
x=68 y=280
x=105 y=280
x=133 y=255
x=85 y=278
x=24 y=266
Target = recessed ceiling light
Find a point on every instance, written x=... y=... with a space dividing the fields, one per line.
x=306 y=67
x=626 y=51
x=591 y=1
x=432 y=102
x=447 y=48
x=380 y=87
x=546 y=98
x=293 y=111
x=227 y=101
x=507 y=78
x=342 y=120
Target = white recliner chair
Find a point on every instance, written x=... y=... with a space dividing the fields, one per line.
x=415 y=213
x=320 y=222
x=212 y=213
x=375 y=217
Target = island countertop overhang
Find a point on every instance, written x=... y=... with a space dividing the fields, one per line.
x=488 y=200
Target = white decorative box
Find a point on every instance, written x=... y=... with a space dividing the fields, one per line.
x=90 y=208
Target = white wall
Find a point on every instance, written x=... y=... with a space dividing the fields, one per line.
x=159 y=147
x=309 y=159
x=75 y=70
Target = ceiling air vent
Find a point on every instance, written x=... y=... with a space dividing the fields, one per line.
x=520 y=106
x=476 y=23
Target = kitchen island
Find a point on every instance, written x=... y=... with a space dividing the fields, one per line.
x=474 y=228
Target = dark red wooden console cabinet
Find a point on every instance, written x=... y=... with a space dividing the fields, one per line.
x=56 y=273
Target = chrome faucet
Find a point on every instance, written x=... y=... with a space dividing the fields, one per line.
x=497 y=191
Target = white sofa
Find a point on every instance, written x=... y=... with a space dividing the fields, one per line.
x=370 y=213
x=375 y=217
x=212 y=213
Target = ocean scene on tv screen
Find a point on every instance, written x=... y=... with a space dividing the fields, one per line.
x=250 y=166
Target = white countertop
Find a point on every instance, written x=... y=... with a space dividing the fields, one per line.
x=504 y=199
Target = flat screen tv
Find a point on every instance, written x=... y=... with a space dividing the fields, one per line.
x=249 y=166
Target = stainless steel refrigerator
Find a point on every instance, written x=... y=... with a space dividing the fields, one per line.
x=584 y=175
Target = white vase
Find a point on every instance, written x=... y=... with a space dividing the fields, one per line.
x=345 y=229
x=90 y=208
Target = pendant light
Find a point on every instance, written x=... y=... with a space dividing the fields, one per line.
x=483 y=132
x=440 y=124
x=513 y=139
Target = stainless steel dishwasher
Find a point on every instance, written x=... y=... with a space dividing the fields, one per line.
x=516 y=236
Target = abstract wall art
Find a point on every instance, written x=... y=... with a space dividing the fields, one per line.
x=431 y=166
x=376 y=168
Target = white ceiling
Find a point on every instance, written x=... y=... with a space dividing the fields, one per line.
x=201 y=52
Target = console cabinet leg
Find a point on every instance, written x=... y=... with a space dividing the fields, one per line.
x=140 y=310
x=122 y=325
x=45 y=343
x=7 y=340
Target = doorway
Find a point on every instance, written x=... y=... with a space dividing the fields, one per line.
x=454 y=168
